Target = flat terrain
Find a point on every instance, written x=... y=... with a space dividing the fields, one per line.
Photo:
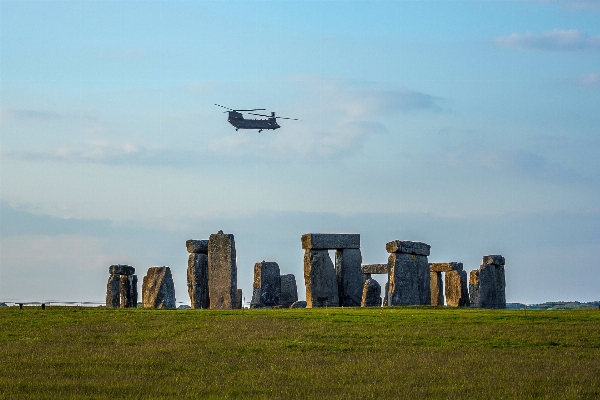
x=410 y=352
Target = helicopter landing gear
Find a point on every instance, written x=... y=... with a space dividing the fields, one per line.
x=260 y=130
x=236 y=129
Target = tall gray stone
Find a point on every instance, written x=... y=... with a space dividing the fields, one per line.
x=267 y=284
x=409 y=279
x=500 y=286
x=239 y=299
x=457 y=294
x=320 y=279
x=129 y=293
x=113 y=291
x=487 y=286
x=474 y=288
x=197 y=246
x=495 y=259
x=158 y=289
x=330 y=241
x=350 y=279
x=371 y=295
x=197 y=280
x=289 y=290
x=437 y=292
x=222 y=271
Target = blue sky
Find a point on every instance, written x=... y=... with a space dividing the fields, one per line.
x=471 y=126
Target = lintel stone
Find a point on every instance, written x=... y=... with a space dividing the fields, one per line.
x=197 y=246
x=374 y=268
x=493 y=259
x=445 y=267
x=330 y=241
x=406 y=246
x=121 y=269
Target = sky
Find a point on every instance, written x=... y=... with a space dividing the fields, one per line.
x=472 y=126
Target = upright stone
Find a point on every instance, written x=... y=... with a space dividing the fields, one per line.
x=437 y=288
x=320 y=279
x=371 y=295
x=289 y=290
x=222 y=271
x=457 y=294
x=158 y=290
x=128 y=291
x=487 y=286
x=500 y=286
x=474 y=288
x=238 y=299
x=197 y=280
x=113 y=291
x=350 y=278
x=267 y=284
x=409 y=277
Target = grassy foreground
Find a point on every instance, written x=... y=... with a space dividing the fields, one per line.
x=322 y=353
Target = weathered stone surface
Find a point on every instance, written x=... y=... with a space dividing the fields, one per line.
x=158 y=290
x=267 y=284
x=239 y=299
x=349 y=276
x=320 y=279
x=374 y=268
x=371 y=295
x=493 y=259
x=299 y=304
x=445 y=267
x=129 y=293
x=197 y=280
x=113 y=291
x=409 y=280
x=474 y=288
x=500 y=287
x=222 y=271
x=436 y=284
x=289 y=290
x=121 y=269
x=489 y=287
x=333 y=241
x=197 y=246
x=406 y=246
x=457 y=294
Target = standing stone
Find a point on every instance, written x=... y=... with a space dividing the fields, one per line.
x=500 y=286
x=129 y=291
x=457 y=294
x=113 y=291
x=437 y=288
x=289 y=290
x=158 y=290
x=371 y=295
x=487 y=286
x=409 y=278
x=349 y=276
x=320 y=279
x=267 y=284
x=474 y=288
x=222 y=271
x=386 y=292
x=238 y=299
x=197 y=280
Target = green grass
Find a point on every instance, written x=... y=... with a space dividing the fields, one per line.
x=409 y=352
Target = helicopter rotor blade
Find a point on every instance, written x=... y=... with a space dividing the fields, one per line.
x=223 y=106
x=271 y=116
x=255 y=109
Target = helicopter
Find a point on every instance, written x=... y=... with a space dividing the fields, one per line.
x=236 y=118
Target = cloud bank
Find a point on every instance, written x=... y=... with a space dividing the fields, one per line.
x=555 y=40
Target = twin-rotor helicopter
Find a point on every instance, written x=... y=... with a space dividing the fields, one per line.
x=236 y=118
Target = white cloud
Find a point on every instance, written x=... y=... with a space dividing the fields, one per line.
x=589 y=80
x=555 y=40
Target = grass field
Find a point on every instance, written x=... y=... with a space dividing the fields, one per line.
x=409 y=352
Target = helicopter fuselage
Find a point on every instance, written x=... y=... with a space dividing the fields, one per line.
x=239 y=122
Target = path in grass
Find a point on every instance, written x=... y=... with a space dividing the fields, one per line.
x=321 y=353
